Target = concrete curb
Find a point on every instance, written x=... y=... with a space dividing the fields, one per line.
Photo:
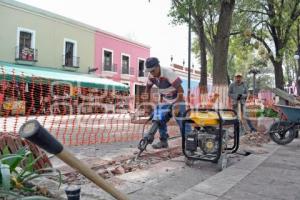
x=219 y=184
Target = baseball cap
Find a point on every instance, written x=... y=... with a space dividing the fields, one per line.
x=238 y=74
x=151 y=63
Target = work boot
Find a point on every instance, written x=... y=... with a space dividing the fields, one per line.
x=161 y=144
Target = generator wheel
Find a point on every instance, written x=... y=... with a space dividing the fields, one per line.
x=188 y=162
x=222 y=162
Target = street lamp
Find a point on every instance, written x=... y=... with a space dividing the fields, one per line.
x=254 y=72
x=189 y=52
x=297 y=56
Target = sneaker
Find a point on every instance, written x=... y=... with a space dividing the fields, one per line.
x=161 y=144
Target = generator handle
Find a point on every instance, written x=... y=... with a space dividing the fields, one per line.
x=209 y=109
x=228 y=110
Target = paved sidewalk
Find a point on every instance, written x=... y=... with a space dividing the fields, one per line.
x=272 y=176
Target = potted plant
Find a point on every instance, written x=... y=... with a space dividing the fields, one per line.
x=16 y=172
x=30 y=54
x=24 y=53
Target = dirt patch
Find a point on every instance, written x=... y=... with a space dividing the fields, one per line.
x=256 y=139
x=125 y=164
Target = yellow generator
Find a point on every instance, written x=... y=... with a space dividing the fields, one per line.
x=208 y=139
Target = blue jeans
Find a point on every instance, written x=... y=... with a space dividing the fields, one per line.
x=163 y=129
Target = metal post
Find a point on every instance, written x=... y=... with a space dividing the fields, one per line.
x=254 y=85
x=298 y=70
x=189 y=54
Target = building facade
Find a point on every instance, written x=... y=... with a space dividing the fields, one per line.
x=195 y=78
x=120 y=59
x=36 y=37
x=33 y=36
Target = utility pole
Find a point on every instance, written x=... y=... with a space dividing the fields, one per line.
x=254 y=72
x=189 y=53
x=298 y=70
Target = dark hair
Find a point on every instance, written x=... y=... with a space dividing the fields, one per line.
x=152 y=62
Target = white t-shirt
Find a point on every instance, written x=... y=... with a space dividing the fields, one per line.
x=167 y=84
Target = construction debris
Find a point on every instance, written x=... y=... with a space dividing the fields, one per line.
x=255 y=139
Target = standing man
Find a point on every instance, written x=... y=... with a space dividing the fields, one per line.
x=171 y=92
x=238 y=92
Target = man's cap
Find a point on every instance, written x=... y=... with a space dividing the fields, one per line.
x=151 y=64
x=238 y=74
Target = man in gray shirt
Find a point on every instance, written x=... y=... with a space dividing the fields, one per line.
x=238 y=94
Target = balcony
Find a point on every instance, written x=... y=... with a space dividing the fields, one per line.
x=26 y=54
x=70 y=62
x=109 y=67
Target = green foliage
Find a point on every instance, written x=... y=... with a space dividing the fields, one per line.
x=261 y=30
x=17 y=169
x=267 y=112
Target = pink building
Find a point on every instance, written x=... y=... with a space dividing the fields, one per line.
x=121 y=60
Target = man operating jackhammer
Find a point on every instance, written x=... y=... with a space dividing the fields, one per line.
x=171 y=92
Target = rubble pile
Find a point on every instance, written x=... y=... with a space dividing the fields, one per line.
x=125 y=165
x=255 y=139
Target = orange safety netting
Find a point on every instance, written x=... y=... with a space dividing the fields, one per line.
x=74 y=115
x=84 y=116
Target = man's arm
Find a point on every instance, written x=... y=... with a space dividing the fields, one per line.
x=180 y=91
x=147 y=96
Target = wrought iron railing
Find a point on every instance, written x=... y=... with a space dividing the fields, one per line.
x=26 y=54
x=109 y=67
x=70 y=61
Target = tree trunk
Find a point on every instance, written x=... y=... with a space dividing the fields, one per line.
x=279 y=81
x=203 y=59
x=221 y=43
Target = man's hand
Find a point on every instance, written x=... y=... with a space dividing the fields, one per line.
x=148 y=110
x=239 y=97
x=176 y=110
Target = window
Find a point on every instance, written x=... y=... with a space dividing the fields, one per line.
x=25 y=45
x=107 y=65
x=25 y=39
x=125 y=64
x=141 y=68
x=70 y=54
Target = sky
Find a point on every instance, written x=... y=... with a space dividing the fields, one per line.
x=139 y=20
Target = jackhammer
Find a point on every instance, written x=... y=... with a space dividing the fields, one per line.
x=161 y=114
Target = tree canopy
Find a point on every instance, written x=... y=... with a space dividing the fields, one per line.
x=239 y=35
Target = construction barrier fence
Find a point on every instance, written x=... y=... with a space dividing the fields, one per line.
x=78 y=115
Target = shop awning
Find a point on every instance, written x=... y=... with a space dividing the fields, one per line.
x=26 y=73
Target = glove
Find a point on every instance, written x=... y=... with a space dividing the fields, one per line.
x=239 y=97
x=176 y=111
